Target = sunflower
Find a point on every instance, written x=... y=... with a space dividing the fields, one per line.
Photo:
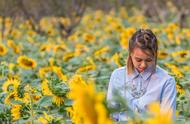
x=45 y=88
x=125 y=36
x=12 y=45
x=45 y=118
x=179 y=89
x=26 y=62
x=3 y=50
x=88 y=105
x=57 y=100
x=115 y=58
x=89 y=37
x=159 y=115
x=80 y=49
x=59 y=73
x=15 y=111
x=24 y=99
x=86 y=68
x=162 y=54
x=182 y=53
x=175 y=70
x=10 y=82
x=68 y=56
x=9 y=97
x=59 y=48
x=102 y=51
x=42 y=72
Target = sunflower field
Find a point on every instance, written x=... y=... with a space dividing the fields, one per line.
x=47 y=79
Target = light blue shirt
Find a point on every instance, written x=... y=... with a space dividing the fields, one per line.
x=160 y=87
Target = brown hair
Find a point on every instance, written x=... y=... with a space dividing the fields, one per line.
x=145 y=40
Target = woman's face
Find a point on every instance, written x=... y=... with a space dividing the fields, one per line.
x=142 y=59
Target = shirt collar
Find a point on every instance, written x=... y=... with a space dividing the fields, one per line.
x=145 y=74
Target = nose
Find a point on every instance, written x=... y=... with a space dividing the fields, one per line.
x=143 y=65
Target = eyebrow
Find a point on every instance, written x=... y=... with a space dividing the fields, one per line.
x=143 y=59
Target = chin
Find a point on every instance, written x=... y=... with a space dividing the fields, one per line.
x=140 y=70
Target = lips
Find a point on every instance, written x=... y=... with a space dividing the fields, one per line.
x=141 y=69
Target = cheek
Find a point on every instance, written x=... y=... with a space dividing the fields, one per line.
x=136 y=64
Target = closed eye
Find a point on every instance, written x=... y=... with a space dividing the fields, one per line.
x=138 y=59
x=149 y=60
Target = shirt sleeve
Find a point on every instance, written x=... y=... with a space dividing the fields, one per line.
x=111 y=88
x=110 y=95
x=168 y=97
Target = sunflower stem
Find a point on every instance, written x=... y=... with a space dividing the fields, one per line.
x=31 y=104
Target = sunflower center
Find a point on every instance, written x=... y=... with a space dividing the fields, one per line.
x=1 y=49
x=27 y=62
x=183 y=55
x=10 y=87
x=164 y=54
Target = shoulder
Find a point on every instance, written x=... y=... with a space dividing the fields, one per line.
x=117 y=77
x=163 y=74
x=118 y=74
x=119 y=71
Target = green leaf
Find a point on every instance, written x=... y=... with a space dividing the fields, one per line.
x=68 y=102
x=45 y=101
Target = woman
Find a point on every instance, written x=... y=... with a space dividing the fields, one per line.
x=142 y=82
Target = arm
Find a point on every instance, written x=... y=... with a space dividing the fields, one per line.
x=110 y=95
x=111 y=87
x=168 y=97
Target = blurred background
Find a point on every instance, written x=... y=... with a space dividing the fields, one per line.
x=158 y=10
x=54 y=52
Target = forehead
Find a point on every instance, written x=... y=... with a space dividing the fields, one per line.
x=137 y=52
